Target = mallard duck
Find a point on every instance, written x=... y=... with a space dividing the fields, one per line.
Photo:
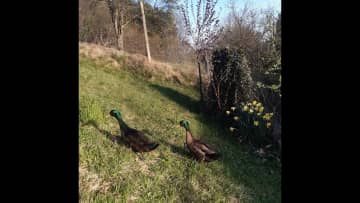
x=201 y=150
x=134 y=138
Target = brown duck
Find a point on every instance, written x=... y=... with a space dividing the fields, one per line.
x=132 y=137
x=201 y=151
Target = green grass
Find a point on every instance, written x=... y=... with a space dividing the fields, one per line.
x=110 y=172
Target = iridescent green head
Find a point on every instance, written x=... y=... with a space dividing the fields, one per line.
x=185 y=124
x=116 y=114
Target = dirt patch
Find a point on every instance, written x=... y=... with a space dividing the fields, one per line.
x=91 y=183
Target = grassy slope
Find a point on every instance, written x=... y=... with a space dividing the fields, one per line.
x=110 y=172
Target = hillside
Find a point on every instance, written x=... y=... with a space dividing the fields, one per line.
x=154 y=98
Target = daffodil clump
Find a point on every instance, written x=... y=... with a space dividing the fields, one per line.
x=250 y=122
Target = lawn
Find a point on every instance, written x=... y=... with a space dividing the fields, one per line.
x=111 y=172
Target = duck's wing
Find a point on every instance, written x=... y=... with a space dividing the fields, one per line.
x=137 y=136
x=207 y=149
x=209 y=152
x=196 y=150
x=139 y=142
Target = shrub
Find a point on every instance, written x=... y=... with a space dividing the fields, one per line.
x=231 y=79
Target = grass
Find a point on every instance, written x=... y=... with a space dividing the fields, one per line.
x=110 y=172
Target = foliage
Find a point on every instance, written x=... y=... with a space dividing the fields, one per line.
x=231 y=79
x=258 y=35
x=252 y=125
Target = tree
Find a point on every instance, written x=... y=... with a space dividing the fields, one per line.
x=202 y=29
x=120 y=17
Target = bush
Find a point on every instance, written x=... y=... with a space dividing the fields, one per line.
x=231 y=79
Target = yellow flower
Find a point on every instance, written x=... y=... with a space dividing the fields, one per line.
x=245 y=108
x=251 y=111
x=227 y=112
x=256 y=108
x=236 y=118
x=232 y=108
x=266 y=117
x=231 y=129
x=254 y=102
x=268 y=125
x=249 y=104
x=256 y=123
x=258 y=104
x=261 y=109
x=259 y=114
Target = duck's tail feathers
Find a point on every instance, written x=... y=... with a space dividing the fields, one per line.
x=152 y=146
x=212 y=157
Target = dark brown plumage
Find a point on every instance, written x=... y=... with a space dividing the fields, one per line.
x=132 y=137
x=200 y=150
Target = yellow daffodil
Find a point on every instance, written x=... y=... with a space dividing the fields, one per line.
x=251 y=111
x=232 y=108
x=245 y=108
x=258 y=104
x=271 y=114
x=256 y=123
x=236 y=118
x=256 y=108
x=268 y=125
x=254 y=102
x=231 y=129
x=227 y=112
x=261 y=109
x=266 y=117
x=259 y=114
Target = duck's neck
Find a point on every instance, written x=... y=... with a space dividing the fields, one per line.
x=122 y=124
x=189 y=137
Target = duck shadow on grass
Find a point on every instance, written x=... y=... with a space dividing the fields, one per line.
x=183 y=100
x=182 y=151
x=173 y=148
x=118 y=140
x=113 y=138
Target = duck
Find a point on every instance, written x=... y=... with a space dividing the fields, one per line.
x=132 y=137
x=199 y=149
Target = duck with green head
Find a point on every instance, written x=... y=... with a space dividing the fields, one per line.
x=202 y=151
x=134 y=138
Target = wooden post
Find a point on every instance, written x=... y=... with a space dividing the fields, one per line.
x=145 y=31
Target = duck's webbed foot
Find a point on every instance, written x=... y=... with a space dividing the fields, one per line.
x=141 y=156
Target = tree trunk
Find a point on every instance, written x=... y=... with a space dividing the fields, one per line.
x=120 y=36
x=145 y=31
x=200 y=83
x=117 y=30
x=120 y=41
